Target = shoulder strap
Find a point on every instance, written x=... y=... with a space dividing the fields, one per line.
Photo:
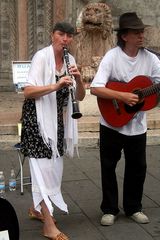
x=154 y=52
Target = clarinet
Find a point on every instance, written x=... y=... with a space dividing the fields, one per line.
x=76 y=113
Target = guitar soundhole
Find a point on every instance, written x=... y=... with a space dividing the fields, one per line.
x=134 y=108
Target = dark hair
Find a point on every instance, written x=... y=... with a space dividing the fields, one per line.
x=120 y=41
x=64 y=27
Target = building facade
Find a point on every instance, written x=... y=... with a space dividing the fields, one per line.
x=25 y=26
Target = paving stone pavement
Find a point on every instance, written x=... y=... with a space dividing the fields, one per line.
x=81 y=189
x=82 y=186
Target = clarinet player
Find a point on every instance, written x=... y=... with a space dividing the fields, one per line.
x=44 y=126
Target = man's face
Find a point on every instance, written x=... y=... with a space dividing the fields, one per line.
x=61 y=39
x=134 y=38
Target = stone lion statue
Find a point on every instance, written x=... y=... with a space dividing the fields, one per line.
x=94 y=38
x=96 y=17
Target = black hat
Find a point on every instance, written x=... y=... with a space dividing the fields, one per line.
x=130 y=20
x=64 y=27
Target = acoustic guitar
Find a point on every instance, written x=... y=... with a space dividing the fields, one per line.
x=116 y=112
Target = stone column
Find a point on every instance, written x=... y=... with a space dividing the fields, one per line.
x=7 y=41
x=59 y=10
x=22 y=30
x=40 y=22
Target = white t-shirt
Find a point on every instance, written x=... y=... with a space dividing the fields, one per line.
x=117 y=65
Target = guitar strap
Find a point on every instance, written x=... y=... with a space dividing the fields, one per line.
x=154 y=52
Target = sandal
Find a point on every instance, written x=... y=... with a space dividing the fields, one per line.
x=34 y=214
x=60 y=236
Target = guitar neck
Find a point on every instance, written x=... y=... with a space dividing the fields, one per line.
x=155 y=88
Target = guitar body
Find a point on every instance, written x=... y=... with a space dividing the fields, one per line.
x=117 y=113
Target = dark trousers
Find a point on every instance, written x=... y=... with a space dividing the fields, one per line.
x=134 y=147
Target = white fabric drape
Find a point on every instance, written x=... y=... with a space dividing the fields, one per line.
x=46 y=177
x=46 y=173
x=41 y=73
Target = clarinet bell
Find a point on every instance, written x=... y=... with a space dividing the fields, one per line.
x=76 y=113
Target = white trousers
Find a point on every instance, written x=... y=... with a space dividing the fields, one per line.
x=46 y=177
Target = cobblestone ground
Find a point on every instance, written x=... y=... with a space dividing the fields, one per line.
x=81 y=189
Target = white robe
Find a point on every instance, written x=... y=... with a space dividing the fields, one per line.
x=46 y=177
x=46 y=174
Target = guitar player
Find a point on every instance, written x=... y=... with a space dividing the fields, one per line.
x=125 y=62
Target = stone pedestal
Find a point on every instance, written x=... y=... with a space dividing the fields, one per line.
x=89 y=107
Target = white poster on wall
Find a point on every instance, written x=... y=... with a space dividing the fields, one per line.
x=20 y=71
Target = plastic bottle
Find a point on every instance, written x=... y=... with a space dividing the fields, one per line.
x=12 y=181
x=2 y=185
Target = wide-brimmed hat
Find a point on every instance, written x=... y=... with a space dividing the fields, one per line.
x=130 y=20
x=64 y=27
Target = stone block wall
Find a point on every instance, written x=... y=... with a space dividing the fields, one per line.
x=25 y=26
x=148 y=11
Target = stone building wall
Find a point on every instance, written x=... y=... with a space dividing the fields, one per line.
x=147 y=10
x=25 y=26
